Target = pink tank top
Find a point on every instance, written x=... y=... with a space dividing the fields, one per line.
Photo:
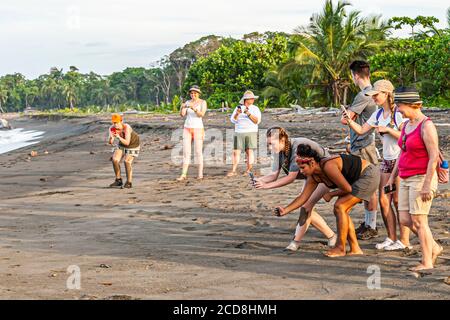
x=414 y=160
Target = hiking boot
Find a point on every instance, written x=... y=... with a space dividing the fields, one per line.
x=361 y=228
x=116 y=183
x=368 y=233
x=128 y=185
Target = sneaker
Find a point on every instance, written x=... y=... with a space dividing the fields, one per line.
x=116 y=183
x=293 y=246
x=368 y=233
x=397 y=245
x=386 y=243
x=361 y=228
x=332 y=241
x=128 y=185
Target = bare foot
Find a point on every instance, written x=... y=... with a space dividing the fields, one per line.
x=335 y=252
x=355 y=252
x=436 y=253
x=182 y=178
x=420 y=267
x=231 y=174
x=200 y=178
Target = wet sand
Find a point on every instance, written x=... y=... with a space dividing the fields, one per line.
x=211 y=239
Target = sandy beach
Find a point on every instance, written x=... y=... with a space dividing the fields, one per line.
x=211 y=239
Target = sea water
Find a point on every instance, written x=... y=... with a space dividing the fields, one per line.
x=18 y=138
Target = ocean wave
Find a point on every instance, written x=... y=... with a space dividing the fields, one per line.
x=18 y=138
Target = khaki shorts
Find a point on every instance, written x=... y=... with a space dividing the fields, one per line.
x=245 y=141
x=368 y=153
x=409 y=198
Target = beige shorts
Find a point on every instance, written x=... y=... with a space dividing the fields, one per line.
x=368 y=153
x=409 y=198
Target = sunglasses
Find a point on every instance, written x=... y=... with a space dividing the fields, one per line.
x=404 y=142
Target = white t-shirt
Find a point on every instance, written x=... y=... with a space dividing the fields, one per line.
x=193 y=121
x=391 y=150
x=243 y=124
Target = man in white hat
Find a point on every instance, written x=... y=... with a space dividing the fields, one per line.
x=246 y=118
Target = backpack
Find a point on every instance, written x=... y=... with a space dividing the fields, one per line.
x=380 y=112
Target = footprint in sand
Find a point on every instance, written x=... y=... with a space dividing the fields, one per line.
x=189 y=228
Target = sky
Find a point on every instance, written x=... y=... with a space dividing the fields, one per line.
x=105 y=36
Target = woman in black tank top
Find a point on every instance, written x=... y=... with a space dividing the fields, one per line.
x=353 y=182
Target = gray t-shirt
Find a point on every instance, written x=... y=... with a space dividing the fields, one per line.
x=363 y=106
x=279 y=159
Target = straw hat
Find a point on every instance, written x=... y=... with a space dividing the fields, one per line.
x=248 y=95
x=195 y=88
x=408 y=95
x=380 y=86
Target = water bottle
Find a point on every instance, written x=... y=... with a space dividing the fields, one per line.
x=443 y=172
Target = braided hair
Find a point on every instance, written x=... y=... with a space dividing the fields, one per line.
x=282 y=135
x=390 y=101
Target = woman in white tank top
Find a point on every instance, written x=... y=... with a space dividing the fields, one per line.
x=193 y=110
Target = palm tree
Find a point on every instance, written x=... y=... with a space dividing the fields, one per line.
x=70 y=94
x=3 y=97
x=333 y=39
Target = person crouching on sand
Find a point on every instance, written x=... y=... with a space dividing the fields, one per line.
x=193 y=110
x=128 y=147
x=353 y=178
x=283 y=150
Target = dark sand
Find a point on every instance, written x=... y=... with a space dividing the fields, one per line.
x=214 y=239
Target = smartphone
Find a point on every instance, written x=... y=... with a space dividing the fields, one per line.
x=252 y=177
x=389 y=189
x=277 y=212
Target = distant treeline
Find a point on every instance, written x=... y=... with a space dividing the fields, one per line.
x=308 y=67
